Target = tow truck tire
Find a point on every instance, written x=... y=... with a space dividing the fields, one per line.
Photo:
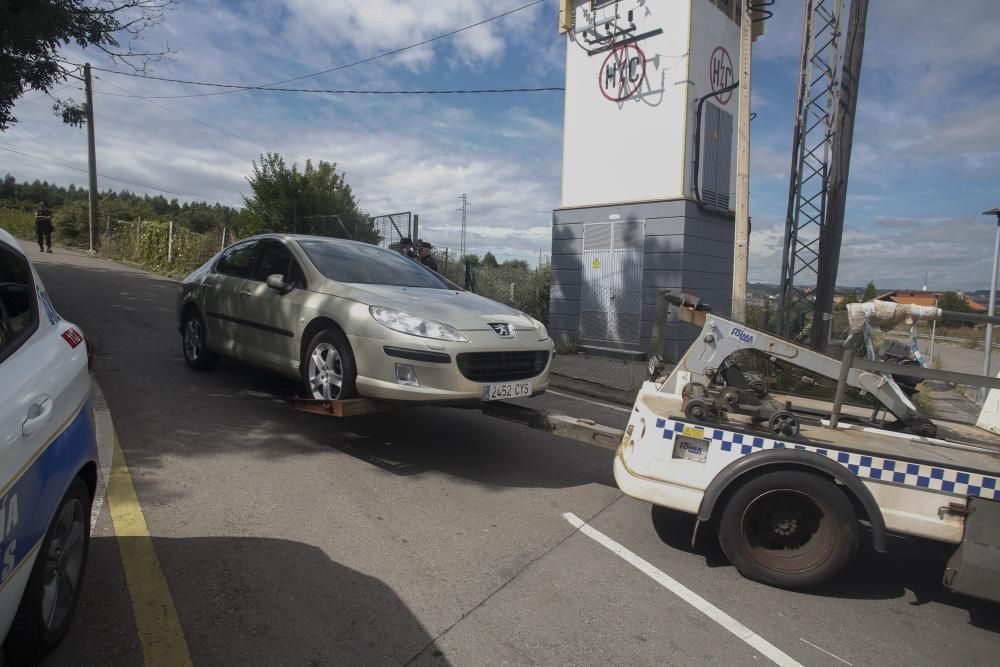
x=789 y=528
x=336 y=367
x=61 y=563
x=196 y=354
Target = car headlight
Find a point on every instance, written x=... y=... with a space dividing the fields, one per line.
x=543 y=333
x=415 y=326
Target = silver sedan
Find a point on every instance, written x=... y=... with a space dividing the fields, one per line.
x=351 y=319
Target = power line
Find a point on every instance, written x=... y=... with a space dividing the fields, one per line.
x=272 y=149
x=48 y=93
x=110 y=178
x=342 y=91
x=239 y=87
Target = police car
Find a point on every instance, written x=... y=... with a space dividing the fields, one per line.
x=48 y=462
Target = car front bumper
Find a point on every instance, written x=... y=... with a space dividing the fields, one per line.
x=435 y=364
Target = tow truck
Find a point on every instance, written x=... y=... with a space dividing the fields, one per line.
x=789 y=488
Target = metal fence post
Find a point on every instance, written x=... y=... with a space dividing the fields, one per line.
x=659 y=323
x=170 y=242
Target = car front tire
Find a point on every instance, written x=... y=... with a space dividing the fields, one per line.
x=328 y=369
x=196 y=354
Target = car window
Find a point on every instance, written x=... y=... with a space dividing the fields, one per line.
x=18 y=304
x=275 y=257
x=348 y=262
x=235 y=261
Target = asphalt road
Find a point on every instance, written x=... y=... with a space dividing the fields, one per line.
x=432 y=536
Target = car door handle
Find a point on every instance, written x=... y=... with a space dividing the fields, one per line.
x=245 y=292
x=39 y=413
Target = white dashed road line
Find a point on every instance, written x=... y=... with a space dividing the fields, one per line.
x=683 y=592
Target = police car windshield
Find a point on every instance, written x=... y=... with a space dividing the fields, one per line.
x=366 y=264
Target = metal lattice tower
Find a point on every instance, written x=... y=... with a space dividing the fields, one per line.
x=465 y=212
x=808 y=189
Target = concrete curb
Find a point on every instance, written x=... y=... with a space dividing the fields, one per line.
x=104 y=428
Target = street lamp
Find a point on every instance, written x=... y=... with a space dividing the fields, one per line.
x=990 y=311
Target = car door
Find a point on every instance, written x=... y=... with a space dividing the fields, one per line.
x=44 y=386
x=221 y=298
x=270 y=317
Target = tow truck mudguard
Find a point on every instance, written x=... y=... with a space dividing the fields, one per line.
x=779 y=458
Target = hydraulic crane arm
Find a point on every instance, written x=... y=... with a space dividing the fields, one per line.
x=721 y=337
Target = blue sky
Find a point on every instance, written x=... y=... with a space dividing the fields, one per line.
x=927 y=139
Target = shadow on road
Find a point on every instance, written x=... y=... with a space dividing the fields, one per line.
x=277 y=602
x=910 y=565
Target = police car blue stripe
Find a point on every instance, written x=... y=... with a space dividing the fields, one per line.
x=29 y=502
x=866 y=466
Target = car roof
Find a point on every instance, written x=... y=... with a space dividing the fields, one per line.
x=7 y=238
x=305 y=237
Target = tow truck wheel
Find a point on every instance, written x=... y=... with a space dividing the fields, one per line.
x=53 y=587
x=788 y=528
x=197 y=356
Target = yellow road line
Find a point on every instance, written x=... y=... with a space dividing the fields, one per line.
x=160 y=631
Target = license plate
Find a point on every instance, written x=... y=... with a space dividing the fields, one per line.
x=505 y=390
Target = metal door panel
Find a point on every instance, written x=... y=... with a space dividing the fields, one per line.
x=611 y=289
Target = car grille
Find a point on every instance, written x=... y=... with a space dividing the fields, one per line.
x=502 y=366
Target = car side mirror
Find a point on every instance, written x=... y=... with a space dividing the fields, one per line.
x=276 y=281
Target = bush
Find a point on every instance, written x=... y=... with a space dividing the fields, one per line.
x=21 y=224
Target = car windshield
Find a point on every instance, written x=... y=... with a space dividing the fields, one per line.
x=368 y=265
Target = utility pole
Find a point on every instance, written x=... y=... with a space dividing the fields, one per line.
x=741 y=244
x=91 y=153
x=988 y=347
x=465 y=212
x=840 y=163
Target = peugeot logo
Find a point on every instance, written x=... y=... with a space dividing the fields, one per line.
x=502 y=329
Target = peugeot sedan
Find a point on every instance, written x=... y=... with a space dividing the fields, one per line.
x=350 y=319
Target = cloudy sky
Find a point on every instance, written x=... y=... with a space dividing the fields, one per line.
x=926 y=152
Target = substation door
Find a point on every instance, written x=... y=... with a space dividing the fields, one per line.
x=611 y=290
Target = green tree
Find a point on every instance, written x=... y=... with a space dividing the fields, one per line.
x=316 y=200
x=33 y=33
x=954 y=302
x=489 y=261
x=869 y=291
x=515 y=264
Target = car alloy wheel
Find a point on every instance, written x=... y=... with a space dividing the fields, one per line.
x=326 y=372
x=63 y=565
x=192 y=339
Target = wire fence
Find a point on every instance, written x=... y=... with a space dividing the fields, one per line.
x=392 y=227
x=161 y=247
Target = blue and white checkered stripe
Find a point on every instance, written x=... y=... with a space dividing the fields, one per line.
x=874 y=468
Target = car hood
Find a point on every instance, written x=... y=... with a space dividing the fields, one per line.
x=463 y=310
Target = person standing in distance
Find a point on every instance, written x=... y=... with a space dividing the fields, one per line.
x=426 y=258
x=43 y=227
x=406 y=248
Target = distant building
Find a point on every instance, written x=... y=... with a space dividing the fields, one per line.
x=916 y=297
x=922 y=298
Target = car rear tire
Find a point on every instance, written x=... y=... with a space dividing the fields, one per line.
x=197 y=356
x=328 y=369
x=788 y=528
x=53 y=588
